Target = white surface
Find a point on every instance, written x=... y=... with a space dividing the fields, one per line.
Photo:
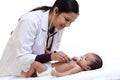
x=108 y=72
x=96 y=30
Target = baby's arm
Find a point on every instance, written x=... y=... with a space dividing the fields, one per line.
x=73 y=70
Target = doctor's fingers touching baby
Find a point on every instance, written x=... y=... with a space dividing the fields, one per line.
x=63 y=57
x=60 y=56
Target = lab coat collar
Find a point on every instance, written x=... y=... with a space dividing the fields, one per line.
x=44 y=24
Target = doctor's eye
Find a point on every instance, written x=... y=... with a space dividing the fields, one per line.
x=67 y=19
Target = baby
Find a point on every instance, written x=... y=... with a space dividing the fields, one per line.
x=89 y=61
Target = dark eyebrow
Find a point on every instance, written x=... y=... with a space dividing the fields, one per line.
x=68 y=19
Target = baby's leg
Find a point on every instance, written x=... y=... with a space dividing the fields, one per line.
x=35 y=66
x=39 y=67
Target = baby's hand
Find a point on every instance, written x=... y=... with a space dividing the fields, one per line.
x=75 y=58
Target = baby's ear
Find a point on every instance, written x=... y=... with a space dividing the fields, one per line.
x=87 y=68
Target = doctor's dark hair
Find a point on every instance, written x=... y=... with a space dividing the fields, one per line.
x=66 y=6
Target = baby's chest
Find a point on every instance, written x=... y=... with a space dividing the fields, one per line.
x=64 y=67
x=69 y=65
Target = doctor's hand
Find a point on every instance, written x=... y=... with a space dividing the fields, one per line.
x=60 y=56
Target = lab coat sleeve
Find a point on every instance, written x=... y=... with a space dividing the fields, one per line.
x=24 y=36
x=43 y=58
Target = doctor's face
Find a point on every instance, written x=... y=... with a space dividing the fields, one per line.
x=64 y=20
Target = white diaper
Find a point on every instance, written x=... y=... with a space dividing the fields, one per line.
x=47 y=72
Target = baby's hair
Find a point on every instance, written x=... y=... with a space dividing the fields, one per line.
x=97 y=63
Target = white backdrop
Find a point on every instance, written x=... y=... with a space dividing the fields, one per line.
x=95 y=30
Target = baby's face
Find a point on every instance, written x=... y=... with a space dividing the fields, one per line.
x=86 y=60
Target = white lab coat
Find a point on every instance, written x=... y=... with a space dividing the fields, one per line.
x=27 y=41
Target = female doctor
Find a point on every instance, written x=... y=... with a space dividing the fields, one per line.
x=37 y=37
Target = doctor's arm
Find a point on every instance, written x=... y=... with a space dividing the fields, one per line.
x=58 y=56
x=24 y=36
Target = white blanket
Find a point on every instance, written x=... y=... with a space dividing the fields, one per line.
x=107 y=72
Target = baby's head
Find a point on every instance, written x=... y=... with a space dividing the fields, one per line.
x=90 y=61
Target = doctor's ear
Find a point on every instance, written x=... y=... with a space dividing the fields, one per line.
x=55 y=11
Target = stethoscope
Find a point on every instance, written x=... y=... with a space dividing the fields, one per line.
x=50 y=35
x=49 y=43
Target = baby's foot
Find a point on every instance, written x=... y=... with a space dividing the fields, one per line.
x=23 y=73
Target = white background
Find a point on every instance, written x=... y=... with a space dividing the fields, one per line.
x=95 y=30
